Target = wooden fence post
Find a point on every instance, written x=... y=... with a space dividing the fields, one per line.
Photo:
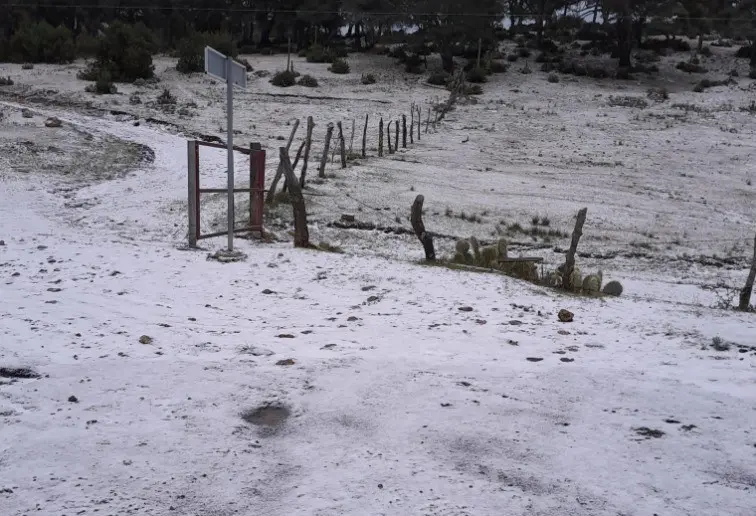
x=301 y=233
x=419 y=121
x=364 y=137
x=404 y=131
x=412 y=123
x=324 y=159
x=291 y=136
x=308 y=146
x=396 y=136
x=388 y=137
x=351 y=140
x=192 y=184
x=745 y=294
x=416 y=219
x=380 y=139
x=570 y=260
x=342 y=146
x=427 y=122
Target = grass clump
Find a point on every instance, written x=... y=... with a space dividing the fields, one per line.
x=368 y=78
x=477 y=76
x=308 y=81
x=690 y=67
x=628 y=101
x=553 y=78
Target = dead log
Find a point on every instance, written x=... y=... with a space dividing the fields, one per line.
x=308 y=146
x=364 y=137
x=745 y=294
x=324 y=159
x=404 y=131
x=416 y=219
x=342 y=145
x=380 y=139
x=301 y=233
x=569 y=266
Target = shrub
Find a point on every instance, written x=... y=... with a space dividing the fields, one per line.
x=752 y=73
x=476 y=76
x=413 y=64
x=553 y=78
x=706 y=51
x=658 y=94
x=6 y=81
x=368 y=78
x=125 y=53
x=497 y=67
x=42 y=43
x=595 y=72
x=166 y=98
x=309 y=81
x=750 y=108
x=690 y=67
x=284 y=79
x=87 y=45
x=744 y=52
x=339 y=66
x=512 y=58
x=523 y=52
x=705 y=84
x=245 y=62
x=319 y=54
x=439 y=78
x=27 y=66
x=628 y=101
x=103 y=85
x=190 y=52
x=473 y=89
x=526 y=69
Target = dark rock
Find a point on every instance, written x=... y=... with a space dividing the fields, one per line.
x=73 y=399
x=53 y=122
x=534 y=359
x=145 y=339
x=566 y=316
x=267 y=291
x=465 y=308
x=287 y=362
x=285 y=336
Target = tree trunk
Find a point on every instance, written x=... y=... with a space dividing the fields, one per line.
x=416 y=218
x=310 y=127
x=624 y=40
x=570 y=260
x=745 y=294
x=301 y=233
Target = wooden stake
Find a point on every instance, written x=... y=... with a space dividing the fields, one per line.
x=570 y=261
x=364 y=137
x=404 y=131
x=324 y=159
x=310 y=127
x=351 y=140
x=745 y=294
x=301 y=233
x=416 y=218
x=342 y=146
x=293 y=132
x=388 y=137
x=294 y=166
x=380 y=139
x=480 y=47
x=396 y=136
x=427 y=122
x=419 y=121
x=412 y=123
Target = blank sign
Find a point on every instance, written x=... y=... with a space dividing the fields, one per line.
x=215 y=65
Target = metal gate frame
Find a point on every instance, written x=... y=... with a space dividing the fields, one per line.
x=256 y=189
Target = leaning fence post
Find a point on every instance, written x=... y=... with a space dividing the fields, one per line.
x=404 y=131
x=342 y=146
x=324 y=159
x=569 y=266
x=745 y=294
x=364 y=137
x=380 y=138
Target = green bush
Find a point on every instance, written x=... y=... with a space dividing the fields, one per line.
x=308 y=81
x=284 y=79
x=477 y=76
x=125 y=52
x=103 y=85
x=439 y=78
x=368 y=78
x=42 y=43
x=339 y=66
x=191 y=57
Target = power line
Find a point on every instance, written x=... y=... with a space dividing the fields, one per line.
x=253 y=10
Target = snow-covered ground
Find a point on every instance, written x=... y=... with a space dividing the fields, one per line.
x=384 y=386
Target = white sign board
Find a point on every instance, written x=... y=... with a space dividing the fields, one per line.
x=215 y=65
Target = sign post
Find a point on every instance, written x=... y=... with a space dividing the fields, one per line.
x=226 y=69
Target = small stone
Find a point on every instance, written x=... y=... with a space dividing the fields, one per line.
x=145 y=339
x=285 y=336
x=563 y=332
x=465 y=308
x=53 y=122
x=27 y=113
x=515 y=322
x=566 y=316
x=364 y=289
x=287 y=362
x=613 y=288
x=2 y=242
x=380 y=486
x=566 y=360
x=353 y=319
x=267 y=291
x=534 y=359
x=54 y=289
x=73 y=399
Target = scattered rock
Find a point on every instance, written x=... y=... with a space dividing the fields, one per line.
x=515 y=322
x=369 y=288
x=566 y=360
x=465 y=308
x=54 y=289
x=613 y=288
x=2 y=242
x=329 y=346
x=285 y=336
x=563 y=332
x=26 y=113
x=287 y=362
x=446 y=405
x=53 y=122
x=145 y=339
x=267 y=291
x=566 y=316
x=649 y=432
x=257 y=352
x=73 y=399
x=534 y=359
x=353 y=319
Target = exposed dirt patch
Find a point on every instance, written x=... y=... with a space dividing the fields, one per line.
x=271 y=416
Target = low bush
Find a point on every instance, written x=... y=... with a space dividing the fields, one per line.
x=308 y=81
x=413 y=64
x=339 y=66
x=125 y=52
x=497 y=67
x=319 y=54
x=190 y=51
x=473 y=89
x=87 y=45
x=706 y=52
x=553 y=78
x=744 y=52
x=627 y=101
x=6 y=81
x=439 y=78
x=705 y=84
x=476 y=76
x=103 y=85
x=284 y=79
x=512 y=58
x=368 y=78
x=658 y=94
x=752 y=73
x=166 y=98
x=524 y=52
x=690 y=67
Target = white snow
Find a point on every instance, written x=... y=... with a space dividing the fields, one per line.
x=400 y=402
